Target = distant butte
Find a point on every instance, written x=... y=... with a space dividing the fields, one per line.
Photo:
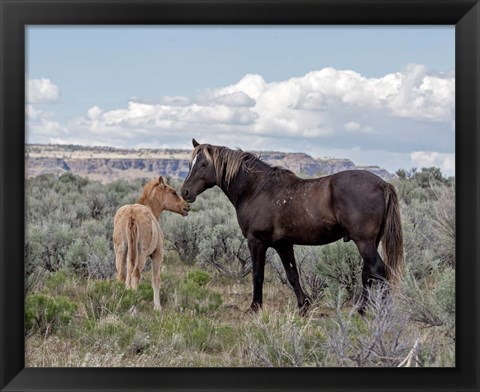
x=107 y=164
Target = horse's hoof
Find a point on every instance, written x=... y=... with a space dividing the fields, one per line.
x=305 y=307
x=361 y=307
x=254 y=308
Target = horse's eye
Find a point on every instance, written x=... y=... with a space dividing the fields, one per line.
x=205 y=163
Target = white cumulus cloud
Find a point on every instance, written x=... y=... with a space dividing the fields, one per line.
x=327 y=103
x=353 y=126
x=94 y=113
x=41 y=91
x=41 y=126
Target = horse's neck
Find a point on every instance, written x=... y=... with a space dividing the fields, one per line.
x=156 y=209
x=239 y=186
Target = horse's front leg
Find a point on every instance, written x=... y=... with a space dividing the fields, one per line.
x=257 y=251
x=288 y=260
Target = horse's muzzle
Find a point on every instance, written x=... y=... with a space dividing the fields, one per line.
x=187 y=196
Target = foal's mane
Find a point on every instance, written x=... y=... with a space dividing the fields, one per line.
x=228 y=163
x=147 y=189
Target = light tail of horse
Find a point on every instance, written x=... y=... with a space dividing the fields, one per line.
x=132 y=236
x=392 y=236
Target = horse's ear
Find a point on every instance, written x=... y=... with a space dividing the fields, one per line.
x=161 y=181
x=195 y=143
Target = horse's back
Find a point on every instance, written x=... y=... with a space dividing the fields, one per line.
x=357 y=186
x=148 y=227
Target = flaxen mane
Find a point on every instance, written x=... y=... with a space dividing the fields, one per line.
x=228 y=163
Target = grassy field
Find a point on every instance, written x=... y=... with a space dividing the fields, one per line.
x=78 y=315
x=203 y=322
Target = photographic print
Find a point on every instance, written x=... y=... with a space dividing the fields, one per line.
x=240 y=196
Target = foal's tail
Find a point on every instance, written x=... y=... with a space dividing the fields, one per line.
x=132 y=238
x=392 y=235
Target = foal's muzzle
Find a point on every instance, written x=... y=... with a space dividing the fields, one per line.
x=185 y=210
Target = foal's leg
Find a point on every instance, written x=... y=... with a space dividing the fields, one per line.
x=257 y=251
x=137 y=270
x=373 y=268
x=130 y=268
x=120 y=260
x=157 y=258
x=288 y=260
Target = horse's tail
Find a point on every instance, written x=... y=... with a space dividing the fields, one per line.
x=132 y=239
x=392 y=235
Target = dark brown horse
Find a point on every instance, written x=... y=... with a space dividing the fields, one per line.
x=277 y=209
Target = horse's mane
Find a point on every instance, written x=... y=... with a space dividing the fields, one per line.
x=228 y=163
x=147 y=189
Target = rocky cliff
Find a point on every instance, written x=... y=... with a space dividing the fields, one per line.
x=107 y=164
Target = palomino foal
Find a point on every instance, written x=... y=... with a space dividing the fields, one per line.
x=137 y=234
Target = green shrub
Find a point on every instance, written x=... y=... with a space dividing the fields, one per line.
x=169 y=284
x=444 y=294
x=195 y=296
x=62 y=282
x=103 y=298
x=100 y=262
x=48 y=245
x=442 y=221
x=111 y=331
x=193 y=235
x=198 y=277
x=182 y=235
x=76 y=255
x=225 y=248
x=381 y=338
x=281 y=340
x=433 y=307
x=340 y=265
x=145 y=291
x=199 y=333
x=46 y=314
x=328 y=268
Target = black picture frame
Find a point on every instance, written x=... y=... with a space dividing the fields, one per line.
x=16 y=14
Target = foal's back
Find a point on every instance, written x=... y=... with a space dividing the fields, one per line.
x=148 y=228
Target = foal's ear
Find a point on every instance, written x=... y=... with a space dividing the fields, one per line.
x=161 y=181
x=195 y=143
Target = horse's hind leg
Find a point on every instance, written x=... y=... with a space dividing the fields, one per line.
x=120 y=261
x=157 y=258
x=130 y=268
x=137 y=270
x=288 y=260
x=373 y=269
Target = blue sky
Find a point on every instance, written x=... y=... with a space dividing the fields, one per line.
x=377 y=95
